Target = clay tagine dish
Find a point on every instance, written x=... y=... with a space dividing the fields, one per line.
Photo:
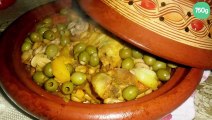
x=149 y=27
x=165 y=28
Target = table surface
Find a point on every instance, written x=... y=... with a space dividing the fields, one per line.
x=202 y=97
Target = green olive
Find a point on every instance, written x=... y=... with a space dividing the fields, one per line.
x=42 y=30
x=94 y=60
x=61 y=27
x=130 y=92
x=28 y=40
x=26 y=46
x=69 y=68
x=67 y=88
x=149 y=60
x=125 y=53
x=39 y=77
x=51 y=50
x=79 y=47
x=91 y=49
x=35 y=37
x=128 y=63
x=78 y=78
x=65 y=33
x=48 y=20
x=84 y=58
x=49 y=34
x=40 y=25
x=159 y=65
x=136 y=54
x=64 y=40
x=51 y=85
x=62 y=32
x=54 y=29
x=163 y=74
x=48 y=70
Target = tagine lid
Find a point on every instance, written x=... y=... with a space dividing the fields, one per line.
x=166 y=28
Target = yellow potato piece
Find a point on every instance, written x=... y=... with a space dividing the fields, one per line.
x=60 y=70
x=147 y=77
x=109 y=53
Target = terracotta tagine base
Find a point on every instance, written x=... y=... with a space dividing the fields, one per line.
x=20 y=88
